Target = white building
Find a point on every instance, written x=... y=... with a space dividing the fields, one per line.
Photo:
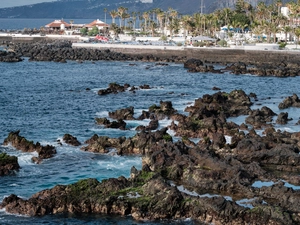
x=285 y=11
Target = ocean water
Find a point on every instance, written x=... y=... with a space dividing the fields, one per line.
x=45 y=100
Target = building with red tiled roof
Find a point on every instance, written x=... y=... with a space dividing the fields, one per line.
x=58 y=24
x=98 y=23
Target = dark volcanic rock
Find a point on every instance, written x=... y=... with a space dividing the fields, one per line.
x=8 y=164
x=24 y=145
x=9 y=57
x=62 y=51
x=119 y=124
x=71 y=140
x=192 y=63
x=196 y=65
x=237 y=68
x=164 y=110
x=123 y=114
x=138 y=144
x=210 y=181
x=114 y=88
x=208 y=115
x=260 y=117
x=282 y=118
x=291 y=101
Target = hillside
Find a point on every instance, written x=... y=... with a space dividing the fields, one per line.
x=94 y=8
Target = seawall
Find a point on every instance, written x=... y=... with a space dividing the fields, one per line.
x=210 y=54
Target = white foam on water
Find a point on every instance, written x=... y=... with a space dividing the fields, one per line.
x=95 y=90
x=133 y=124
x=171 y=132
x=102 y=114
x=26 y=158
x=228 y=139
x=116 y=162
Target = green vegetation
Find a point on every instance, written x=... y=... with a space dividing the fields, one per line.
x=153 y=108
x=6 y=159
x=167 y=137
x=94 y=31
x=244 y=17
x=83 y=31
x=282 y=45
x=222 y=43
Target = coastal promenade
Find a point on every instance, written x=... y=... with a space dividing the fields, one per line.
x=259 y=53
x=209 y=54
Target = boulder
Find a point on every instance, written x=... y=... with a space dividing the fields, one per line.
x=282 y=118
x=71 y=140
x=8 y=164
x=290 y=101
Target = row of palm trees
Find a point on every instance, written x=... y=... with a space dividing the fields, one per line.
x=259 y=20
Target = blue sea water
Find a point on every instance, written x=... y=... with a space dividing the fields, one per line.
x=45 y=100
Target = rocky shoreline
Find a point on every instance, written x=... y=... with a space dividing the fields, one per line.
x=211 y=181
x=276 y=64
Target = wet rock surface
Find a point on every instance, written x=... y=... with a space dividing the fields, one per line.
x=21 y=143
x=71 y=140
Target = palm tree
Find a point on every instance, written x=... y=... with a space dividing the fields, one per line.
x=113 y=15
x=125 y=16
x=121 y=11
x=274 y=29
x=134 y=19
x=146 y=17
x=226 y=14
x=105 y=11
x=71 y=22
x=297 y=34
x=261 y=11
x=152 y=27
x=160 y=18
x=185 y=23
x=286 y=30
x=279 y=4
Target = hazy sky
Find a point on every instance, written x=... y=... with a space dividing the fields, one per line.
x=11 y=3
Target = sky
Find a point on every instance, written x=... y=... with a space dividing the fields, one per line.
x=12 y=3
